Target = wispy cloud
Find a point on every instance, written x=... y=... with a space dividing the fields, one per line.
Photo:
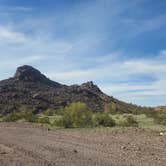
x=10 y=37
x=139 y=26
x=117 y=77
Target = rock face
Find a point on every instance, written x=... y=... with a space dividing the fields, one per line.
x=30 y=74
x=30 y=88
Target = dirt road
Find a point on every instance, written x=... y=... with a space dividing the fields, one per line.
x=31 y=145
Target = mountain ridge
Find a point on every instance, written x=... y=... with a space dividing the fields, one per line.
x=31 y=88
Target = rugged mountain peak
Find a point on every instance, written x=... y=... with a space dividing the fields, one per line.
x=28 y=73
x=90 y=86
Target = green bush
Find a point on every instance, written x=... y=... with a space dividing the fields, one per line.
x=160 y=118
x=127 y=121
x=49 y=112
x=12 y=117
x=59 y=122
x=103 y=119
x=75 y=115
x=44 y=119
x=31 y=118
x=59 y=111
x=131 y=121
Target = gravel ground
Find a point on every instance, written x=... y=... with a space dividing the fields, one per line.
x=24 y=144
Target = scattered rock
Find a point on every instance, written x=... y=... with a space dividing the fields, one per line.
x=5 y=150
x=75 y=151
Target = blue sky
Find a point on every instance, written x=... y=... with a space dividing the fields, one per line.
x=120 y=45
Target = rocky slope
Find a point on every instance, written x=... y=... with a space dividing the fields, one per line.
x=30 y=88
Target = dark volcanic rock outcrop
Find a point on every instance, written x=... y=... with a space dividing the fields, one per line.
x=31 y=88
x=30 y=74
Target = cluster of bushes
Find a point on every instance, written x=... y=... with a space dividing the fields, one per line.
x=12 y=117
x=26 y=116
x=78 y=115
x=103 y=119
x=158 y=116
x=75 y=115
x=128 y=121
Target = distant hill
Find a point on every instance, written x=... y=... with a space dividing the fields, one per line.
x=34 y=90
x=160 y=108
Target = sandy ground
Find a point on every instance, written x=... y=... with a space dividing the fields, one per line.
x=24 y=144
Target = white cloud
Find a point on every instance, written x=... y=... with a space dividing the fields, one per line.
x=122 y=71
x=11 y=37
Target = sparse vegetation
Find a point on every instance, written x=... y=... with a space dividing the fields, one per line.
x=131 y=121
x=12 y=117
x=103 y=119
x=77 y=115
x=160 y=118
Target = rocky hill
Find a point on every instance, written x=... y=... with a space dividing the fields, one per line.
x=32 y=89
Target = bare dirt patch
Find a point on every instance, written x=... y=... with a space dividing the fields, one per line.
x=31 y=145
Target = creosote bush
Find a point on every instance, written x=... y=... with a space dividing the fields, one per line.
x=103 y=119
x=12 y=117
x=44 y=119
x=160 y=118
x=131 y=121
x=77 y=115
x=24 y=113
x=128 y=121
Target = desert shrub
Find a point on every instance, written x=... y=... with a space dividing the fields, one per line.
x=66 y=122
x=160 y=118
x=59 y=122
x=31 y=118
x=128 y=121
x=103 y=119
x=23 y=114
x=151 y=114
x=131 y=121
x=75 y=115
x=59 y=111
x=49 y=112
x=12 y=117
x=44 y=119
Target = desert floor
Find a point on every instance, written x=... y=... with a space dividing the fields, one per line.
x=24 y=144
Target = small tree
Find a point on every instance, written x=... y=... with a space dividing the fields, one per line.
x=76 y=115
